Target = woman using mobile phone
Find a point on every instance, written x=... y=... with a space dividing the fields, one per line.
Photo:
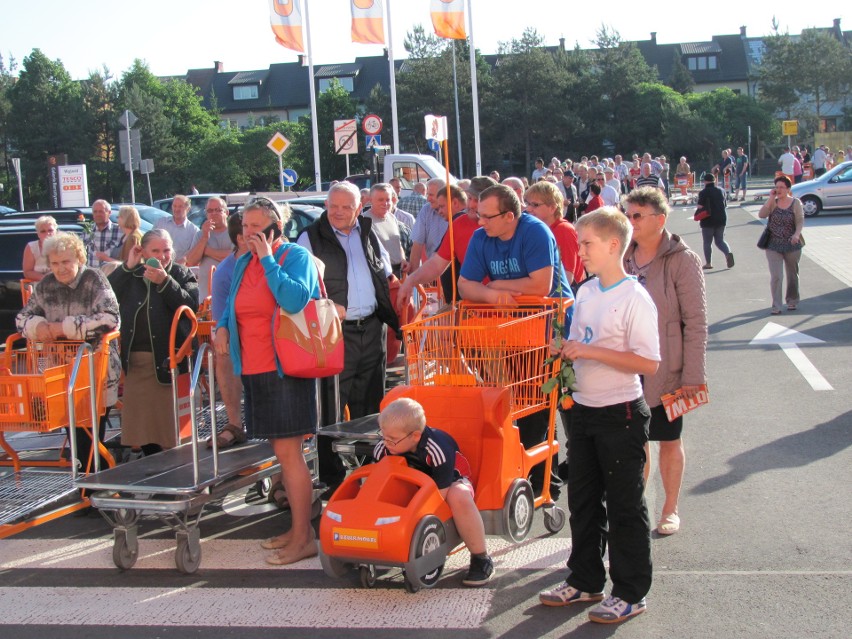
x=786 y=219
x=279 y=408
x=150 y=287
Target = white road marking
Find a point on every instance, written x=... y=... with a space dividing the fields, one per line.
x=789 y=339
x=241 y=554
x=245 y=607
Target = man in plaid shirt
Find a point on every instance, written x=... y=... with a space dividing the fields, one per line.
x=105 y=236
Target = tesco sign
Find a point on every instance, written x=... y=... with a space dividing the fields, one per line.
x=73 y=186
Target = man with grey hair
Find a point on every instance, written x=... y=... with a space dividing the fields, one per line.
x=413 y=202
x=430 y=227
x=517 y=185
x=184 y=233
x=213 y=245
x=387 y=227
x=105 y=236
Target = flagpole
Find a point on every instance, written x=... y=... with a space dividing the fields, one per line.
x=474 y=91
x=392 y=80
x=458 y=119
x=314 y=123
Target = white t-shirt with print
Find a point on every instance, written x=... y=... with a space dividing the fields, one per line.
x=623 y=318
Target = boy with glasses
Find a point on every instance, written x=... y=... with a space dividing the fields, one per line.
x=434 y=452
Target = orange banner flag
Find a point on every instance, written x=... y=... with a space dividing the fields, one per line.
x=286 y=19
x=448 y=19
x=368 y=25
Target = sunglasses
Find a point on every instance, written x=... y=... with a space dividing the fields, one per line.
x=639 y=216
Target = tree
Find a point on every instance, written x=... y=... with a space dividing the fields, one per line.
x=46 y=117
x=99 y=95
x=680 y=79
x=802 y=75
x=526 y=109
x=7 y=79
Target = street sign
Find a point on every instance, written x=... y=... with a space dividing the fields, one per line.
x=345 y=137
x=371 y=124
x=146 y=166
x=434 y=145
x=127 y=119
x=374 y=141
x=278 y=144
x=289 y=177
x=790 y=127
x=135 y=148
x=74 y=188
x=436 y=127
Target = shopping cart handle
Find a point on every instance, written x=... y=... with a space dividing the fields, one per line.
x=175 y=357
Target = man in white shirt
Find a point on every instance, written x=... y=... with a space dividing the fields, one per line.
x=818 y=160
x=213 y=245
x=787 y=160
x=184 y=233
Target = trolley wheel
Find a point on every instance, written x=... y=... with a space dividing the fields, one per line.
x=410 y=586
x=126 y=516
x=263 y=487
x=331 y=566
x=368 y=576
x=554 y=519
x=187 y=554
x=429 y=536
x=125 y=550
x=518 y=511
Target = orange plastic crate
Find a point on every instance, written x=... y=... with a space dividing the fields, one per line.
x=34 y=384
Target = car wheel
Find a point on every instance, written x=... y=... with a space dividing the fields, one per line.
x=811 y=205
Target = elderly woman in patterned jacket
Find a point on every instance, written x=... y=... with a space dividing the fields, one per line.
x=73 y=302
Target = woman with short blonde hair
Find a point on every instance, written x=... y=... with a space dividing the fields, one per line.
x=35 y=264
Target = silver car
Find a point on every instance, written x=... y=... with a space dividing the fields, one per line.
x=831 y=190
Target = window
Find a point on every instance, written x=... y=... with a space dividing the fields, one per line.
x=828 y=125
x=702 y=63
x=245 y=92
x=346 y=82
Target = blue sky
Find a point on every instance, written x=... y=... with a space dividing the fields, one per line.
x=176 y=35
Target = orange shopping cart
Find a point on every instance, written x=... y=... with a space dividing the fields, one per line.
x=45 y=387
x=475 y=370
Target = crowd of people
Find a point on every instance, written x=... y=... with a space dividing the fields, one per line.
x=595 y=229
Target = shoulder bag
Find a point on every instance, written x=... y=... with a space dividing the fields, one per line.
x=763 y=241
x=701 y=213
x=309 y=343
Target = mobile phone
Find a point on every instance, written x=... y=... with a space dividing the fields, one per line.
x=276 y=232
x=153 y=262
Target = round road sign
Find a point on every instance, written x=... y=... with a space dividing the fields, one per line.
x=371 y=124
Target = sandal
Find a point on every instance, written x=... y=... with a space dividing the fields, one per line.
x=229 y=436
x=791 y=307
x=669 y=524
x=278 y=495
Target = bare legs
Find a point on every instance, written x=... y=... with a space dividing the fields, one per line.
x=672 y=463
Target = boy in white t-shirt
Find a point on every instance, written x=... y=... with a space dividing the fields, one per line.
x=613 y=340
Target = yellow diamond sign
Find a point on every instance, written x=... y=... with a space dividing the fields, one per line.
x=278 y=144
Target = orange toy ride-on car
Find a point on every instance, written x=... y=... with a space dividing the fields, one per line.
x=387 y=515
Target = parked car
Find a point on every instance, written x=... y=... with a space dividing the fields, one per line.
x=148 y=214
x=14 y=236
x=71 y=215
x=197 y=202
x=301 y=216
x=6 y=209
x=831 y=190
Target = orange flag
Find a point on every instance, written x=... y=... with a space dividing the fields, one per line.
x=286 y=19
x=368 y=21
x=448 y=19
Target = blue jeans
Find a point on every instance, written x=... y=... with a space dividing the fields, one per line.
x=715 y=234
x=606 y=488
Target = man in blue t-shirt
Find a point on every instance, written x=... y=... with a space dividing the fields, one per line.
x=518 y=254
x=515 y=251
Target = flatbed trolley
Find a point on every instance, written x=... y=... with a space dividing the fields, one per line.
x=45 y=387
x=475 y=369
x=174 y=486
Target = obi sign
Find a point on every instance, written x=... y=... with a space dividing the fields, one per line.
x=73 y=187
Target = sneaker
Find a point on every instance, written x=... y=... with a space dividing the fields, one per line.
x=480 y=572
x=564 y=595
x=729 y=258
x=615 y=610
x=707 y=267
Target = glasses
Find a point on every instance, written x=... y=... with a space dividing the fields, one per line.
x=218 y=209
x=639 y=216
x=263 y=203
x=393 y=442
x=600 y=179
x=479 y=216
x=534 y=205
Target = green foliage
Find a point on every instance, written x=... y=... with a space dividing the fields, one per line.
x=680 y=79
x=812 y=69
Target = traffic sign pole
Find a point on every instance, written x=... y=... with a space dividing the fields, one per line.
x=281 y=172
x=127 y=117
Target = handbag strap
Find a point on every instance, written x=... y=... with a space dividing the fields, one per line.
x=287 y=247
